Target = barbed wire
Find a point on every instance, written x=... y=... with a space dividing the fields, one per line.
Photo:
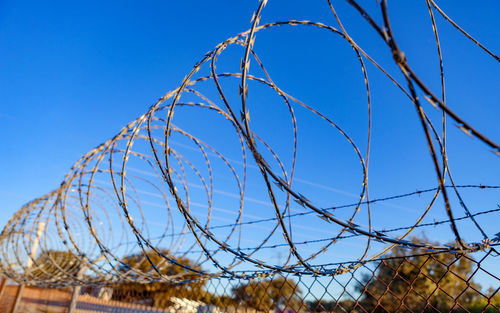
x=102 y=211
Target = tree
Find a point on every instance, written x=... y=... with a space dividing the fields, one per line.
x=482 y=305
x=158 y=293
x=54 y=265
x=331 y=306
x=321 y=306
x=419 y=283
x=265 y=295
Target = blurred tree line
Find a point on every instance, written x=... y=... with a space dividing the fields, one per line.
x=262 y=295
x=421 y=283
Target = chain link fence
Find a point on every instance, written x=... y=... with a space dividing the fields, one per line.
x=419 y=283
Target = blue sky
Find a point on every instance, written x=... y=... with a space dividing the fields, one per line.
x=72 y=74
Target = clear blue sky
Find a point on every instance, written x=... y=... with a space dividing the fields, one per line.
x=72 y=74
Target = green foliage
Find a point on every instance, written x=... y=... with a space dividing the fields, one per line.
x=321 y=306
x=158 y=293
x=223 y=301
x=53 y=264
x=265 y=295
x=479 y=305
x=400 y=284
x=331 y=306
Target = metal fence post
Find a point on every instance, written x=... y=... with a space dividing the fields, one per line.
x=76 y=289
x=29 y=263
x=74 y=299
x=3 y=286
x=17 y=301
